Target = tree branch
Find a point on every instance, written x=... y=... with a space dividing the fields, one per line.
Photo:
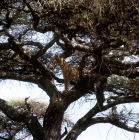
x=128 y=69
x=24 y=78
x=43 y=49
x=34 y=62
x=124 y=126
x=14 y=114
x=76 y=46
x=36 y=20
x=87 y=120
x=46 y=83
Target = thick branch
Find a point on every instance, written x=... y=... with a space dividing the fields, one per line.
x=122 y=64
x=81 y=47
x=76 y=46
x=31 y=121
x=86 y=120
x=46 y=82
x=124 y=126
x=128 y=69
x=34 y=62
x=44 y=49
x=39 y=45
x=21 y=77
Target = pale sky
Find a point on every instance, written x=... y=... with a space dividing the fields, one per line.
x=14 y=89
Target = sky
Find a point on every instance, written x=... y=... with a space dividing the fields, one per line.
x=13 y=89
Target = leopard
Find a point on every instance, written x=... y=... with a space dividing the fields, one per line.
x=69 y=72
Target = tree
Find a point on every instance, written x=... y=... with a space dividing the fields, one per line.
x=99 y=36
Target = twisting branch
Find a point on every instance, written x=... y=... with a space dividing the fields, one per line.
x=45 y=82
x=46 y=47
x=87 y=120
x=14 y=114
x=124 y=126
x=36 y=20
x=24 y=78
x=77 y=46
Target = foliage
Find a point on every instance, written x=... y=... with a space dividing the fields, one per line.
x=101 y=36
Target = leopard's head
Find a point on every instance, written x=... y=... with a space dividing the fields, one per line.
x=60 y=59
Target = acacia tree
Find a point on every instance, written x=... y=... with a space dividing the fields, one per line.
x=101 y=36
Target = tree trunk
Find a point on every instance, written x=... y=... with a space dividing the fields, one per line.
x=53 y=120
